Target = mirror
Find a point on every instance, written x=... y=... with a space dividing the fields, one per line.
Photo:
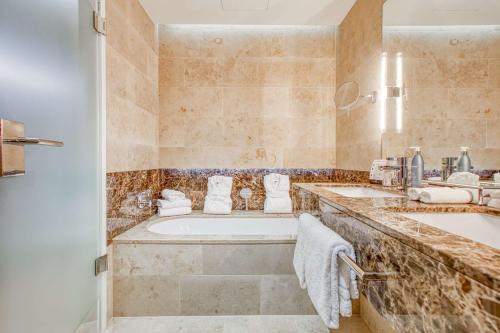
x=446 y=55
x=347 y=95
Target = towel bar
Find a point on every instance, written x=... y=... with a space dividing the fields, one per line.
x=367 y=276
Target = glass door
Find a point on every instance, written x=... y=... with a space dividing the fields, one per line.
x=50 y=218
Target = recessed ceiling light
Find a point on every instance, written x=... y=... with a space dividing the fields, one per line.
x=244 y=5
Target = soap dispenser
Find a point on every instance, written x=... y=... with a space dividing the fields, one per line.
x=464 y=164
x=417 y=168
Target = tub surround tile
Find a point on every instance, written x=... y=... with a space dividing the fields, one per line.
x=281 y=294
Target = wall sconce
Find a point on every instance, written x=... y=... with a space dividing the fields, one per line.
x=396 y=92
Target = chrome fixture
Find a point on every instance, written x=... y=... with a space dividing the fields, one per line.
x=400 y=165
x=12 y=142
x=348 y=95
x=480 y=188
x=144 y=199
x=367 y=276
x=448 y=166
x=246 y=194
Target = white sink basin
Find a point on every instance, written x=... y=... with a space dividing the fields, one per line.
x=362 y=192
x=481 y=228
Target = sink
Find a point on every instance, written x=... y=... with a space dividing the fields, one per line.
x=362 y=192
x=482 y=228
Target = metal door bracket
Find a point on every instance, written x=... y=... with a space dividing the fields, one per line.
x=99 y=23
x=101 y=264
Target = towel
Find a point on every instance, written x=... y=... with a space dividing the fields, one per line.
x=278 y=194
x=414 y=193
x=275 y=182
x=217 y=205
x=496 y=177
x=445 y=195
x=495 y=194
x=220 y=185
x=173 y=204
x=278 y=205
x=465 y=178
x=174 y=211
x=172 y=195
x=330 y=283
x=495 y=203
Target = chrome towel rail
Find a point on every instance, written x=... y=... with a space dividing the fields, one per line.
x=367 y=276
x=32 y=141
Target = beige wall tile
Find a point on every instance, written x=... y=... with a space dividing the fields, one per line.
x=282 y=295
x=494 y=70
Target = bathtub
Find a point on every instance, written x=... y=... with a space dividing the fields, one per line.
x=200 y=265
x=226 y=226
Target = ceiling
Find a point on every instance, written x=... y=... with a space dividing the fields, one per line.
x=441 y=12
x=248 y=12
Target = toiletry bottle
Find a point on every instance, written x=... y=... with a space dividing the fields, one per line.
x=417 y=168
x=464 y=163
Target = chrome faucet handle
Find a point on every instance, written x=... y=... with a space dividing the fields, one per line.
x=246 y=194
x=144 y=199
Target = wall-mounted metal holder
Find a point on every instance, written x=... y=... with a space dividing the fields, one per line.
x=12 y=142
x=367 y=276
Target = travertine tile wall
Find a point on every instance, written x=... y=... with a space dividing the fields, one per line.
x=247 y=97
x=453 y=81
x=359 y=46
x=132 y=87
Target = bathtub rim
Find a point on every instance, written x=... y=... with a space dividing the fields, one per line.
x=140 y=234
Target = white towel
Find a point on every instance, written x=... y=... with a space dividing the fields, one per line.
x=278 y=205
x=275 y=182
x=330 y=283
x=495 y=194
x=465 y=178
x=278 y=194
x=414 y=193
x=220 y=186
x=496 y=177
x=217 y=205
x=445 y=195
x=495 y=203
x=174 y=211
x=172 y=195
x=173 y=204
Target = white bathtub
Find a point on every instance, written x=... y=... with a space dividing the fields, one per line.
x=235 y=226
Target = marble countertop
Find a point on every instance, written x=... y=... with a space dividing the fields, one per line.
x=478 y=261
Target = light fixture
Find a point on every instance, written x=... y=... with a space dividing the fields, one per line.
x=399 y=99
x=383 y=92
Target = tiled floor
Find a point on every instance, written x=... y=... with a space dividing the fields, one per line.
x=232 y=324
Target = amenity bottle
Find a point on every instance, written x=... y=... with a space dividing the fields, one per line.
x=417 y=168
x=464 y=164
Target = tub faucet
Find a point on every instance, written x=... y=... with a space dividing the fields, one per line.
x=245 y=194
x=144 y=199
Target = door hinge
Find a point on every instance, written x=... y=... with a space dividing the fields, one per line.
x=99 y=23
x=101 y=264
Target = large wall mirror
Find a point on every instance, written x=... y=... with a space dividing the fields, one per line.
x=445 y=57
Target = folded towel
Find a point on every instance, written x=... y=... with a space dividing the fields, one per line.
x=172 y=195
x=220 y=185
x=445 y=195
x=173 y=204
x=278 y=205
x=496 y=177
x=495 y=203
x=465 y=178
x=329 y=281
x=275 y=182
x=174 y=211
x=278 y=194
x=217 y=205
x=414 y=193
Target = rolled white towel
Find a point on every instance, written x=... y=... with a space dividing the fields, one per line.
x=174 y=204
x=414 y=193
x=278 y=205
x=217 y=205
x=445 y=195
x=465 y=178
x=220 y=186
x=496 y=177
x=174 y=211
x=495 y=203
x=172 y=195
x=275 y=182
x=278 y=194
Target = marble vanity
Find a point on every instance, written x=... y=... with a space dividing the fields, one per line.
x=445 y=283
